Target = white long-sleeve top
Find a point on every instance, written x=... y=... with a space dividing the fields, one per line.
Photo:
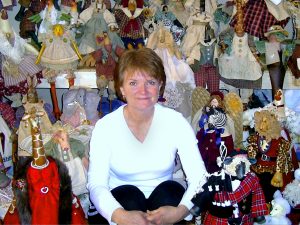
x=118 y=158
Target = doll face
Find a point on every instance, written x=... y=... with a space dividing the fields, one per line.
x=58 y=30
x=214 y=103
x=131 y=5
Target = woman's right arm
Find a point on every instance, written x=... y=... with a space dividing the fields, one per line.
x=98 y=172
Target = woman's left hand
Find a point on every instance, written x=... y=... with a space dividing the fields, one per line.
x=167 y=215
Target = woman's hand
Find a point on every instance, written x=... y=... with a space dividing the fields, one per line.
x=167 y=215
x=124 y=217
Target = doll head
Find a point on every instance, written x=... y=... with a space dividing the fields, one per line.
x=267 y=125
x=58 y=30
x=132 y=4
x=216 y=100
x=62 y=138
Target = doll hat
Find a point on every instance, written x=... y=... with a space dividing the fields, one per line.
x=217 y=93
x=139 y=3
x=276 y=29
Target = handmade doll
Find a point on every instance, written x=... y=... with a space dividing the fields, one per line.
x=272 y=151
x=59 y=51
x=109 y=49
x=27 y=9
x=195 y=31
x=42 y=186
x=213 y=132
x=17 y=58
x=72 y=153
x=96 y=20
x=233 y=195
x=31 y=100
x=203 y=62
x=238 y=66
x=168 y=19
x=180 y=77
x=130 y=19
x=260 y=15
x=230 y=104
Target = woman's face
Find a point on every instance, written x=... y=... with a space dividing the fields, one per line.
x=140 y=90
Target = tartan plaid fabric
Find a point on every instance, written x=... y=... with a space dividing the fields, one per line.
x=249 y=185
x=257 y=18
x=8 y=114
x=122 y=20
x=207 y=75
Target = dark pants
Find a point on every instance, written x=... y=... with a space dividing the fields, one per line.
x=131 y=198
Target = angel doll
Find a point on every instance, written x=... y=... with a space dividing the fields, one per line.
x=17 y=58
x=59 y=51
x=216 y=120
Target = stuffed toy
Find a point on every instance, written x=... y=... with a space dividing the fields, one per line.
x=238 y=63
x=42 y=186
x=231 y=105
x=291 y=193
x=203 y=61
x=130 y=19
x=271 y=147
x=195 y=33
x=232 y=195
x=95 y=20
x=280 y=209
x=17 y=58
x=31 y=100
x=179 y=76
x=71 y=152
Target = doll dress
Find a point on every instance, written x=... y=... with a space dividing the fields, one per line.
x=240 y=64
x=95 y=25
x=59 y=54
x=16 y=64
x=194 y=33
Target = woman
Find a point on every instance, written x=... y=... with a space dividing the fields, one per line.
x=133 y=150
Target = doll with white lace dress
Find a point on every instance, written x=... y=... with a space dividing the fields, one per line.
x=179 y=76
x=17 y=58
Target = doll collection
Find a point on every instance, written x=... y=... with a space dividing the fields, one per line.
x=215 y=55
